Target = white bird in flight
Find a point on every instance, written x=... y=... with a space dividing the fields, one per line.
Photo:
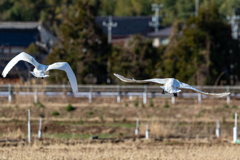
x=40 y=69
x=171 y=85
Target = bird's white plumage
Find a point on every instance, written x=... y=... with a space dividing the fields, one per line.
x=156 y=80
x=66 y=67
x=20 y=57
x=171 y=85
x=40 y=69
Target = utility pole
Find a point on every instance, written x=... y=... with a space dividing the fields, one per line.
x=196 y=7
x=109 y=25
x=155 y=19
x=234 y=22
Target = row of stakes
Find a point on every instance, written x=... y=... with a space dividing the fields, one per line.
x=235 y=129
x=29 y=128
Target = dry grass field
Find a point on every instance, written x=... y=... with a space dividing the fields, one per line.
x=180 y=131
x=126 y=150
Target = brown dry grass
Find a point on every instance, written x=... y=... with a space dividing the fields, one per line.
x=121 y=151
x=194 y=124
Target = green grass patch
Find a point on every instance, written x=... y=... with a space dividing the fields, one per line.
x=55 y=113
x=151 y=103
x=234 y=106
x=166 y=105
x=39 y=104
x=90 y=112
x=69 y=108
x=136 y=102
x=225 y=106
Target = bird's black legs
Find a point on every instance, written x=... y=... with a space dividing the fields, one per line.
x=163 y=92
x=175 y=94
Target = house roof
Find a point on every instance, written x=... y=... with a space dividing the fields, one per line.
x=127 y=25
x=163 y=33
x=21 y=34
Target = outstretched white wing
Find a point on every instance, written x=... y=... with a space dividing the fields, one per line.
x=20 y=57
x=66 y=67
x=155 y=80
x=186 y=86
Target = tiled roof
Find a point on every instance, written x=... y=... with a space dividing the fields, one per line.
x=19 y=25
x=127 y=25
x=163 y=33
x=21 y=34
x=18 y=37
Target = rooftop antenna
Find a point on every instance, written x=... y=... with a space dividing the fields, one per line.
x=109 y=25
x=155 y=19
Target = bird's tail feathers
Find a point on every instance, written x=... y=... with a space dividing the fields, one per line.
x=46 y=76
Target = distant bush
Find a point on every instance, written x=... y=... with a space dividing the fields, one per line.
x=198 y=115
x=69 y=108
x=223 y=120
x=90 y=113
x=136 y=102
x=234 y=106
x=151 y=103
x=55 y=113
x=126 y=104
x=225 y=106
x=39 y=104
x=166 y=105
x=42 y=115
x=81 y=121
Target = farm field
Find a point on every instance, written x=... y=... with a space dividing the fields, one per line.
x=123 y=150
x=176 y=131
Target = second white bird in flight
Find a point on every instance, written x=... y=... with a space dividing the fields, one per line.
x=171 y=85
x=40 y=69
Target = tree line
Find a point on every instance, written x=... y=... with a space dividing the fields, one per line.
x=201 y=50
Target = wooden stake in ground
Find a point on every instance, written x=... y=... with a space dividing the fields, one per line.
x=218 y=129
x=147 y=132
x=235 y=130
x=40 y=129
x=136 y=130
x=29 y=127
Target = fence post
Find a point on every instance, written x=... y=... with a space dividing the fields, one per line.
x=235 y=130
x=35 y=95
x=173 y=100
x=228 y=97
x=147 y=132
x=218 y=129
x=118 y=94
x=29 y=127
x=9 y=93
x=136 y=130
x=145 y=95
x=199 y=98
x=40 y=129
x=90 y=94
